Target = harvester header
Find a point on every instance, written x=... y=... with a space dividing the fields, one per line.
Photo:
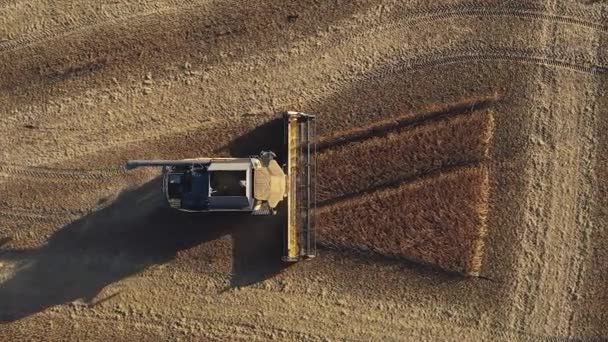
x=301 y=196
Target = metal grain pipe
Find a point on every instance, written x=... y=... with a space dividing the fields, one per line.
x=132 y=164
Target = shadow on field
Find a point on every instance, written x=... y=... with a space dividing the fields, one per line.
x=269 y=136
x=203 y=35
x=133 y=233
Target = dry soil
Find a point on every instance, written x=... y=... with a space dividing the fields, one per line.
x=455 y=137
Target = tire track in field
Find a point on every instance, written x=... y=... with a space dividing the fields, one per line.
x=406 y=62
x=425 y=15
x=569 y=184
x=474 y=54
x=45 y=216
x=229 y=325
x=83 y=24
x=464 y=55
x=517 y=10
x=557 y=194
x=589 y=183
x=471 y=56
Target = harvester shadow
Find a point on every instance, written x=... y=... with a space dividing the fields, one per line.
x=409 y=265
x=269 y=136
x=4 y=241
x=133 y=233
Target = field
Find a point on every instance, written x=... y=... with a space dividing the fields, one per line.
x=462 y=169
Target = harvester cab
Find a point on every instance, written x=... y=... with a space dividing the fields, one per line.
x=256 y=184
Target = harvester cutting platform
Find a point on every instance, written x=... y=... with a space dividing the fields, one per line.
x=256 y=184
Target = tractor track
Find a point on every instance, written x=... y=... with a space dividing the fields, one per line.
x=82 y=24
x=470 y=54
x=482 y=54
x=473 y=54
x=453 y=56
x=225 y=327
x=571 y=17
x=54 y=217
x=567 y=16
x=448 y=56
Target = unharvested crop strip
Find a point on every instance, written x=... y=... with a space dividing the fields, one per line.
x=410 y=120
x=478 y=245
x=438 y=220
x=405 y=154
x=409 y=179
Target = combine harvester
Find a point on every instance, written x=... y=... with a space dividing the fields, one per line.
x=256 y=184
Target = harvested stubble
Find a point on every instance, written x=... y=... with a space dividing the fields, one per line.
x=403 y=152
x=437 y=220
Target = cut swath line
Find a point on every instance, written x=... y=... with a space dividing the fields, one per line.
x=478 y=250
